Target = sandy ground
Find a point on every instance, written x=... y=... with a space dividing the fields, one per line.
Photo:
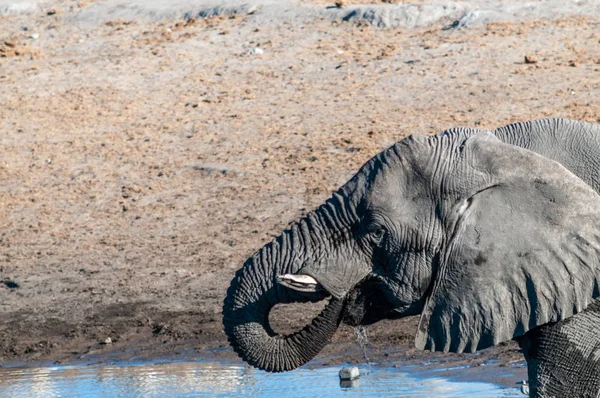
x=143 y=160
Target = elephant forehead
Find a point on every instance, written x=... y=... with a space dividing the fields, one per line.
x=398 y=193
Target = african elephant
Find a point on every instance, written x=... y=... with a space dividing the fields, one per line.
x=488 y=235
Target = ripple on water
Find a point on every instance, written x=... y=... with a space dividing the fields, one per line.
x=210 y=379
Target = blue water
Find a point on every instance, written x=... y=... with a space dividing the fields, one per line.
x=206 y=379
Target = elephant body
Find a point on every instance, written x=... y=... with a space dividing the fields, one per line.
x=563 y=359
x=489 y=235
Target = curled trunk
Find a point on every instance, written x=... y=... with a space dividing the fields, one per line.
x=318 y=246
x=254 y=291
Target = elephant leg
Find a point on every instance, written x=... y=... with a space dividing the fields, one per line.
x=563 y=358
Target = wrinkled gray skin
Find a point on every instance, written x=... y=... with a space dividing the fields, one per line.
x=489 y=235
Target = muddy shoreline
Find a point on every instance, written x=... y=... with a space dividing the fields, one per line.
x=145 y=159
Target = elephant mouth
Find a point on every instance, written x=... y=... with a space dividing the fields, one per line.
x=367 y=303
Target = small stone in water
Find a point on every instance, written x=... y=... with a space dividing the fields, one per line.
x=349 y=373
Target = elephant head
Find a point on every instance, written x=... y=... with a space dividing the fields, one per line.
x=484 y=239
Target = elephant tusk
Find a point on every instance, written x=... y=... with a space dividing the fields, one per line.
x=304 y=283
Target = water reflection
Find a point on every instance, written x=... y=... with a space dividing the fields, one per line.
x=209 y=379
x=355 y=383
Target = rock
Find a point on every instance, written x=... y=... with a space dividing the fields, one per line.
x=107 y=341
x=531 y=59
x=128 y=190
x=256 y=51
x=10 y=44
x=524 y=387
x=349 y=373
x=340 y=4
x=34 y=36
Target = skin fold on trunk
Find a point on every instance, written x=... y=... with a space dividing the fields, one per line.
x=254 y=292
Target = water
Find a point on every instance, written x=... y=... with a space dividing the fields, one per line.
x=363 y=339
x=211 y=379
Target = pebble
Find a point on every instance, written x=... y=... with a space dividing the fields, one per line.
x=34 y=36
x=531 y=59
x=135 y=188
x=349 y=373
x=256 y=51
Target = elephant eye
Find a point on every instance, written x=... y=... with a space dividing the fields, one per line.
x=377 y=235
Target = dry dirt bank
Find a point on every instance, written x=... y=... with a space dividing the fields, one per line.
x=143 y=161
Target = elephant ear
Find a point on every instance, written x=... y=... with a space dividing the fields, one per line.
x=524 y=248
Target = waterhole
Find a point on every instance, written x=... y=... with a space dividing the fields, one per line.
x=212 y=379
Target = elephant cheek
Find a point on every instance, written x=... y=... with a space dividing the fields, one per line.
x=410 y=279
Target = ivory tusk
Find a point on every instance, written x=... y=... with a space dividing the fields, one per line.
x=299 y=282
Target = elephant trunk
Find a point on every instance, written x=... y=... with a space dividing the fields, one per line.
x=255 y=290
